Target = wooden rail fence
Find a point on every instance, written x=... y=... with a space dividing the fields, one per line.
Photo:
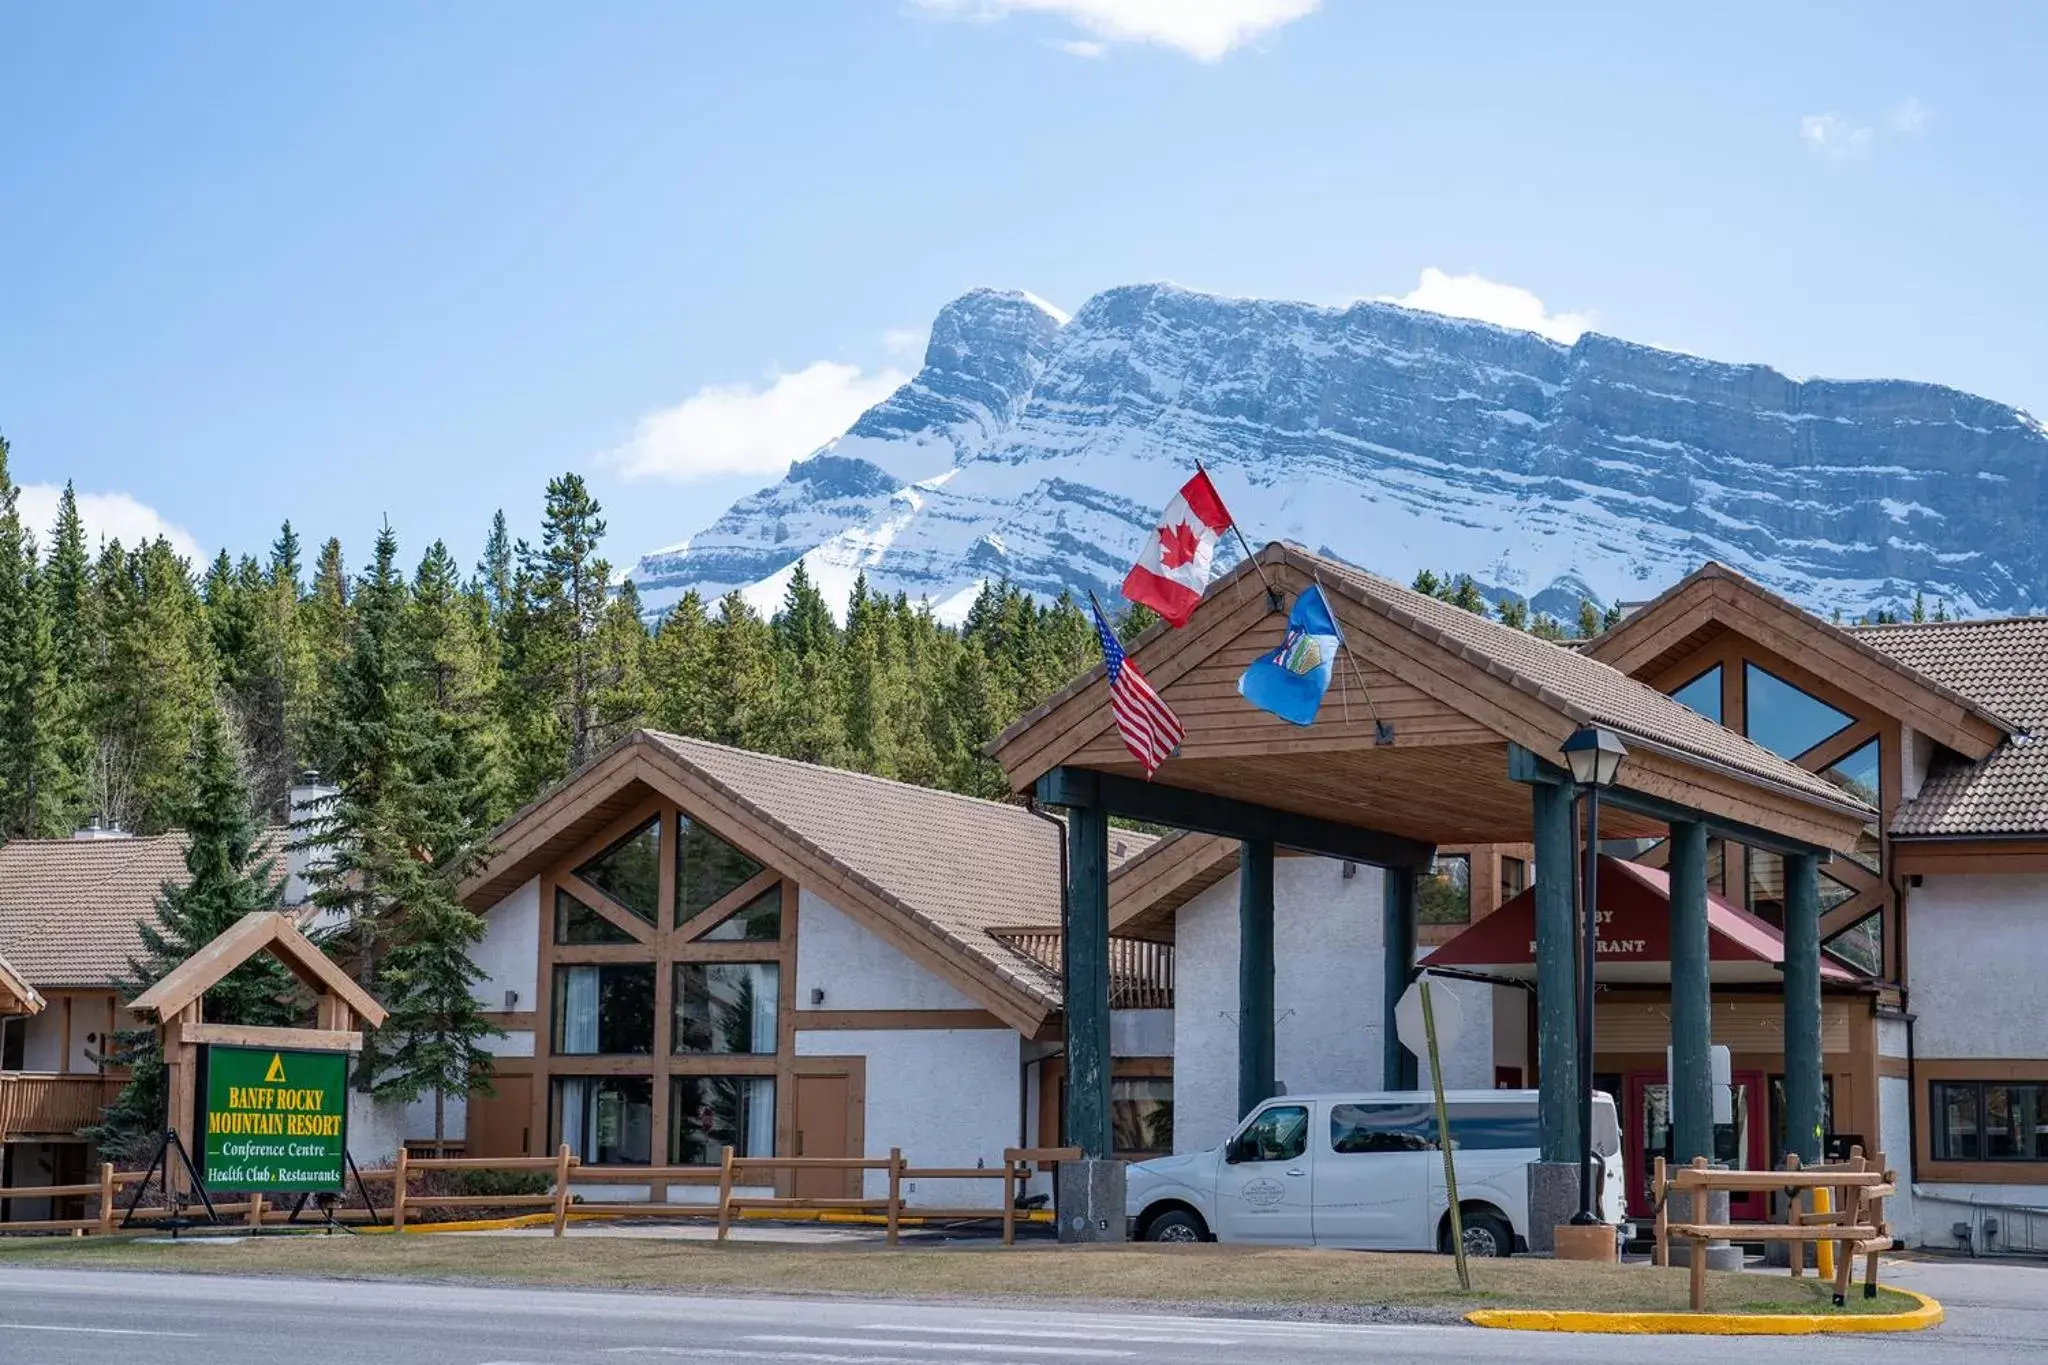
x=1856 y=1223
x=566 y=1171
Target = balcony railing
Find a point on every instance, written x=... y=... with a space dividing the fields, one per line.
x=1140 y=971
x=45 y=1104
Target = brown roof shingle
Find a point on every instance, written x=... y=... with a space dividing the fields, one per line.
x=1589 y=690
x=963 y=866
x=2003 y=665
x=69 y=907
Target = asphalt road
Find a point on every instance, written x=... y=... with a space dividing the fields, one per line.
x=68 y=1317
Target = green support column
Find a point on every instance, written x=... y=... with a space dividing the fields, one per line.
x=1557 y=1063
x=1254 y=974
x=1803 y=1117
x=1692 y=1079
x=1398 y=1068
x=1087 y=983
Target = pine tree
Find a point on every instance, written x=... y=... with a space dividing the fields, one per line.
x=740 y=678
x=31 y=778
x=1513 y=611
x=154 y=683
x=1465 y=593
x=1427 y=583
x=74 y=636
x=229 y=874
x=1919 y=606
x=678 y=669
x=494 y=571
x=621 y=700
x=1589 y=620
x=449 y=672
x=570 y=586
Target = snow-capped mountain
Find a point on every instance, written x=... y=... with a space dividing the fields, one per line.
x=1041 y=449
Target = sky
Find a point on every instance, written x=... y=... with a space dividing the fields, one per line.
x=345 y=264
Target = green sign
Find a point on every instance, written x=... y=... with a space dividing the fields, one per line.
x=275 y=1120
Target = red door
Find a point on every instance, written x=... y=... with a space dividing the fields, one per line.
x=1646 y=1135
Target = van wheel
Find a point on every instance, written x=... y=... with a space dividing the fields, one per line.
x=1486 y=1234
x=1176 y=1225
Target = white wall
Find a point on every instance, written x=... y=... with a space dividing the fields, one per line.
x=1511 y=1032
x=42 y=1046
x=1327 y=992
x=857 y=970
x=1141 y=1033
x=1895 y=1139
x=947 y=1097
x=1979 y=958
x=509 y=956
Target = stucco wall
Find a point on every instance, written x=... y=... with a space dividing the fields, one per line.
x=42 y=1045
x=1141 y=1033
x=1979 y=960
x=947 y=1097
x=1327 y=974
x=1895 y=1129
x=857 y=970
x=509 y=956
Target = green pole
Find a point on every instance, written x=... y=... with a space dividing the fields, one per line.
x=1255 y=1066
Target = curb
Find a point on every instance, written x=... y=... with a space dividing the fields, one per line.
x=1712 y=1324
x=534 y=1220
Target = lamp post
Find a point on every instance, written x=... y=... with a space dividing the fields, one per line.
x=1594 y=756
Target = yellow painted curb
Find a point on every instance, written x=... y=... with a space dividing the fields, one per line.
x=1713 y=1324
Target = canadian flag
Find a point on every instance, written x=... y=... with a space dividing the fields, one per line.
x=1178 y=560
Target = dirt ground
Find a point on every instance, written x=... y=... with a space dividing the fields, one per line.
x=1182 y=1276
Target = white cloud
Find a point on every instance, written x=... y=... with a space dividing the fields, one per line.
x=905 y=343
x=1206 y=30
x=107 y=516
x=1084 y=47
x=741 y=429
x=1834 y=137
x=1910 y=116
x=1475 y=296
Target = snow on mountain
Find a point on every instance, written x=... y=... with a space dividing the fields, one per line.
x=1040 y=449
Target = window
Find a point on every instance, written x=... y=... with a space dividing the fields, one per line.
x=1360 y=1129
x=1277 y=1134
x=1856 y=773
x=1767 y=888
x=726 y=1006
x=630 y=871
x=1703 y=694
x=1990 y=1121
x=1445 y=895
x=604 y=1010
x=708 y=869
x=710 y=1113
x=1784 y=719
x=1514 y=878
x=1141 y=1114
x=576 y=922
x=1493 y=1127
x=13 y=1043
x=758 y=921
x=606 y=1120
x=1861 y=945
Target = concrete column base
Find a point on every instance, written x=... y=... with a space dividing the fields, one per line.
x=1091 y=1201
x=1553 y=1199
x=1586 y=1242
x=1720 y=1255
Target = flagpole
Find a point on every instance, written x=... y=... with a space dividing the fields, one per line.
x=1383 y=733
x=1274 y=601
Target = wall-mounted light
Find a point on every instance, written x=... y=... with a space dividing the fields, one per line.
x=817 y=996
x=1350 y=869
x=511 y=1001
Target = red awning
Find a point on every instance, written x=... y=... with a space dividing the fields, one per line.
x=1635 y=935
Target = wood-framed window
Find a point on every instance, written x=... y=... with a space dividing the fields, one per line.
x=668 y=951
x=1988 y=1120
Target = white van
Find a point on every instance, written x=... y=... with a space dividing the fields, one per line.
x=1364 y=1171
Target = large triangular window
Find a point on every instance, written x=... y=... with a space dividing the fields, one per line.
x=1703 y=694
x=576 y=922
x=1784 y=719
x=630 y=871
x=708 y=869
x=1861 y=945
x=758 y=921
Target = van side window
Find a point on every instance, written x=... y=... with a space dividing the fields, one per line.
x=1278 y=1134
x=1493 y=1127
x=1362 y=1128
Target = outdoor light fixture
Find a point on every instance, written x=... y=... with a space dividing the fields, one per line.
x=1594 y=756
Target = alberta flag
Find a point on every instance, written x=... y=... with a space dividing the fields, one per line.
x=1290 y=681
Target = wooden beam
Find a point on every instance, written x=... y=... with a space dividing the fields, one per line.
x=258 y=931
x=245 y=1035
x=1159 y=804
x=1524 y=766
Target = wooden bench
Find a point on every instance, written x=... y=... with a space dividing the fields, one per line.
x=1856 y=1224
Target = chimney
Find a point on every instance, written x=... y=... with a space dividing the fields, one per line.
x=309 y=800
x=95 y=828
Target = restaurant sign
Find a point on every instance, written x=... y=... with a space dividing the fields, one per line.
x=275 y=1120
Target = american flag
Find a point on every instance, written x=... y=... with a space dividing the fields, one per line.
x=1149 y=728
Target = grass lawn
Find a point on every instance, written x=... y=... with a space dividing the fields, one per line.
x=1184 y=1276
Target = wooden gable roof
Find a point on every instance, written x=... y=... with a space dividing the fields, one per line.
x=1456 y=690
x=257 y=932
x=16 y=995
x=1714 y=598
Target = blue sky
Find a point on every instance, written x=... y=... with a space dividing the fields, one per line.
x=349 y=262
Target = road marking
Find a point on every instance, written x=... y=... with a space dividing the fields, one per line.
x=736 y=1353
x=980 y=1348
x=96 y=1331
x=1116 y=1331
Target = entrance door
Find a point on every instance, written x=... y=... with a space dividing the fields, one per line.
x=823 y=1105
x=500 y=1124
x=1647 y=1133
x=1265 y=1189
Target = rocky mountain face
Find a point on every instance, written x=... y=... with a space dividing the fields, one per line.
x=1041 y=449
